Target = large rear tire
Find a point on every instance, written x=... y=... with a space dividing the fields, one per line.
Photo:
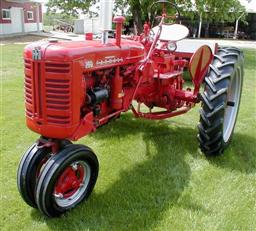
x=220 y=101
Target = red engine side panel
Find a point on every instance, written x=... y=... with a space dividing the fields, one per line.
x=54 y=91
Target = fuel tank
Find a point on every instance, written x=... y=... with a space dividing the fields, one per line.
x=54 y=90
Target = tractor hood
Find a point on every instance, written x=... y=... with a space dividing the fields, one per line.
x=93 y=52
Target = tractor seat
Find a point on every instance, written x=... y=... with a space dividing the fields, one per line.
x=173 y=32
x=168 y=75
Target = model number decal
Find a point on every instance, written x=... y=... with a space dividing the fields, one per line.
x=109 y=61
x=89 y=64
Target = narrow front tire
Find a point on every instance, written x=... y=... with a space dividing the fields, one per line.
x=28 y=171
x=67 y=179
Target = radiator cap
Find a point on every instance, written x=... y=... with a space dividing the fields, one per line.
x=53 y=40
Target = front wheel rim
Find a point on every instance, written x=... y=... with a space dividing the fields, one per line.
x=233 y=100
x=72 y=184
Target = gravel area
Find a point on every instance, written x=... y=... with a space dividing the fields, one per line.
x=236 y=43
x=24 y=39
x=65 y=36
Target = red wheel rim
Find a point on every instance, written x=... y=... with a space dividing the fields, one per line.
x=72 y=183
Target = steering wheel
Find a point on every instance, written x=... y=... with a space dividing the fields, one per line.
x=164 y=3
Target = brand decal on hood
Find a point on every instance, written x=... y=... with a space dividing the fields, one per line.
x=37 y=53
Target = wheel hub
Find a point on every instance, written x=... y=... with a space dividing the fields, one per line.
x=72 y=184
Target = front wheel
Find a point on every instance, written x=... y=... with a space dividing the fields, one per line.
x=32 y=162
x=29 y=167
x=66 y=180
x=220 y=101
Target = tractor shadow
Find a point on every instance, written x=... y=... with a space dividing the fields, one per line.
x=142 y=193
x=239 y=156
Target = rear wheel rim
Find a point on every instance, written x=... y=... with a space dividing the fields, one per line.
x=72 y=184
x=231 y=111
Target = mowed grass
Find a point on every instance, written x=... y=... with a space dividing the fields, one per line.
x=152 y=174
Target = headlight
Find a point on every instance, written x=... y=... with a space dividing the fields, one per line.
x=171 y=46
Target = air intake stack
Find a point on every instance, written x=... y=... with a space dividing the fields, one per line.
x=119 y=21
x=106 y=7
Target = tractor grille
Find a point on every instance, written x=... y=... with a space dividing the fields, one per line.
x=28 y=88
x=57 y=68
x=47 y=92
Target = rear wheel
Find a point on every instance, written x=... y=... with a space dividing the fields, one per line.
x=220 y=101
x=66 y=180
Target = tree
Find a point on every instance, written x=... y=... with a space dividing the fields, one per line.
x=212 y=11
x=70 y=7
x=208 y=10
x=137 y=10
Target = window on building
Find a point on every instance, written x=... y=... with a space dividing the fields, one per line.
x=6 y=14
x=30 y=15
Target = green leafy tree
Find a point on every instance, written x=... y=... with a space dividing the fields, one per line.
x=219 y=10
x=135 y=9
x=51 y=18
x=70 y=7
x=139 y=10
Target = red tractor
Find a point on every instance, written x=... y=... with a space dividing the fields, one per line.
x=73 y=88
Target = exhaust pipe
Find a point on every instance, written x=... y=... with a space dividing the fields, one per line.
x=106 y=8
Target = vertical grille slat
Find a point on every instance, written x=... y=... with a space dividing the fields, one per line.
x=37 y=88
x=48 y=91
x=28 y=88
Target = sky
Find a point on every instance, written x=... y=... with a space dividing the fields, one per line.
x=250 y=5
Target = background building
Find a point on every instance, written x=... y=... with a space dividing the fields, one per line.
x=87 y=24
x=20 y=17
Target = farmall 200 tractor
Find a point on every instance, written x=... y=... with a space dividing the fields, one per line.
x=74 y=87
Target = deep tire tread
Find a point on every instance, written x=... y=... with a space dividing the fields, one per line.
x=214 y=99
x=50 y=174
x=26 y=174
x=224 y=76
x=210 y=83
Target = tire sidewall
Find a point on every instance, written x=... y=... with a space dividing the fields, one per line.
x=26 y=174
x=45 y=187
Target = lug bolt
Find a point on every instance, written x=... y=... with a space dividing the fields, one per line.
x=74 y=166
x=58 y=195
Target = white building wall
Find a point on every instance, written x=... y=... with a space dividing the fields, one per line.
x=32 y=27
x=16 y=25
x=79 y=26
x=96 y=25
x=17 y=20
x=6 y=29
x=87 y=25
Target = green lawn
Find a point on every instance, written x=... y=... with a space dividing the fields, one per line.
x=152 y=174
